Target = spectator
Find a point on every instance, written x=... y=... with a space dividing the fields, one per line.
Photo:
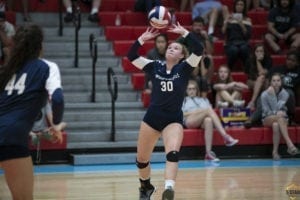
x=282 y=24
x=204 y=72
x=7 y=31
x=156 y=53
x=291 y=80
x=274 y=114
x=198 y=113
x=93 y=16
x=209 y=10
x=229 y=92
x=257 y=68
x=237 y=29
x=25 y=3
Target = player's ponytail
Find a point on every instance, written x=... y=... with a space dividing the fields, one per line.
x=27 y=45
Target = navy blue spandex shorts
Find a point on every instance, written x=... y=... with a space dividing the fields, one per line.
x=158 y=118
x=13 y=151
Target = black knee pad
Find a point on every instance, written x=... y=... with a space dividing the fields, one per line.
x=172 y=156
x=141 y=165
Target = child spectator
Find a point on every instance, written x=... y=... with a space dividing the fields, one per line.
x=229 y=92
x=237 y=29
x=282 y=24
x=257 y=68
x=198 y=113
x=274 y=114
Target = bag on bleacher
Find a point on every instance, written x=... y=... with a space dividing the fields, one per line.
x=140 y=6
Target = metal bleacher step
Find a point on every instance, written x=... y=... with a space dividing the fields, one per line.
x=112 y=158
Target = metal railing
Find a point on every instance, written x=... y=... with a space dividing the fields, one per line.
x=76 y=21
x=77 y=24
x=94 y=56
x=114 y=95
x=60 y=17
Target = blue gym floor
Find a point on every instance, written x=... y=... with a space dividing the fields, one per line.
x=240 y=163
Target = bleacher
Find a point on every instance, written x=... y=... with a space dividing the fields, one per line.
x=133 y=24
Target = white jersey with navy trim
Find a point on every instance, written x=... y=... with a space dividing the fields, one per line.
x=24 y=96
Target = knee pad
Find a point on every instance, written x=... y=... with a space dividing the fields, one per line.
x=141 y=165
x=172 y=156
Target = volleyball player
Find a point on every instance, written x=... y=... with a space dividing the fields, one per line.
x=26 y=83
x=164 y=116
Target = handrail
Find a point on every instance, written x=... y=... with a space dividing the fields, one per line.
x=77 y=24
x=114 y=96
x=94 y=56
x=60 y=26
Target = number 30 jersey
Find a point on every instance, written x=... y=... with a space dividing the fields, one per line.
x=23 y=97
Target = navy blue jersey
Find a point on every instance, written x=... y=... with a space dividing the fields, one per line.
x=168 y=87
x=24 y=96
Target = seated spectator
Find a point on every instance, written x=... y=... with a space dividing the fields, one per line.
x=93 y=16
x=145 y=5
x=257 y=68
x=156 y=53
x=274 y=113
x=237 y=29
x=204 y=72
x=229 y=92
x=209 y=10
x=198 y=113
x=7 y=31
x=291 y=80
x=291 y=83
x=25 y=4
x=282 y=24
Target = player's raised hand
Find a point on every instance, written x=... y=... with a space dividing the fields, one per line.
x=177 y=28
x=149 y=34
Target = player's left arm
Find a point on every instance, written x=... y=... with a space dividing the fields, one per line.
x=196 y=45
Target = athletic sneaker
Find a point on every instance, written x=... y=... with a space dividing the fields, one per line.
x=238 y=103
x=168 y=194
x=211 y=156
x=223 y=104
x=68 y=17
x=231 y=142
x=145 y=193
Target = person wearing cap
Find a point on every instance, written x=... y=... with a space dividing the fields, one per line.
x=7 y=31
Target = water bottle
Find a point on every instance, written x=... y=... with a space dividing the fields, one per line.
x=118 y=20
